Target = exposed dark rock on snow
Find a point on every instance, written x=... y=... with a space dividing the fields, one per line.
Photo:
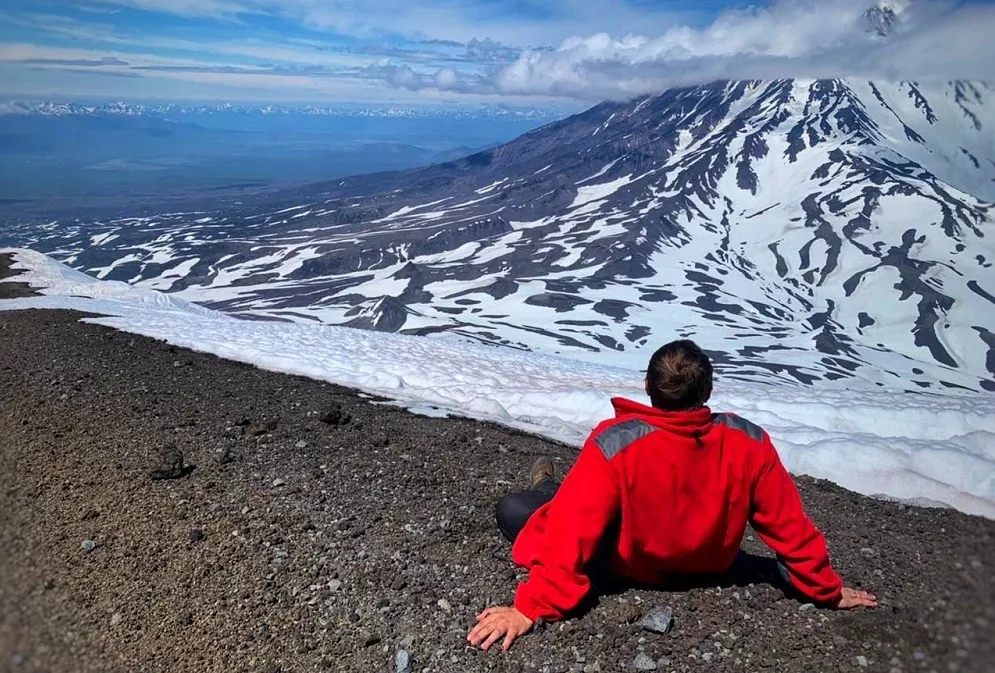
x=733 y=211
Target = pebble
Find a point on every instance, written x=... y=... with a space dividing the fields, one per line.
x=116 y=619
x=335 y=416
x=196 y=535
x=301 y=444
x=444 y=604
x=643 y=663
x=658 y=620
x=862 y=661
x=167 y=463
x=402 y=662
x=88 y=546
x=277 y=483
x=807 y=607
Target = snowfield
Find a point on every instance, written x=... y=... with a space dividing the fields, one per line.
x=924 y=448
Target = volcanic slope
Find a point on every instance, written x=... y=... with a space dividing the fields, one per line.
x=803 y=230
x=317 y=531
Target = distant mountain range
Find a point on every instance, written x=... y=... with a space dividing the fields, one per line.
x=811 y=231
x=63 y=109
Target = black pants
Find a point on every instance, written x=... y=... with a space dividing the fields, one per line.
x=514 y=510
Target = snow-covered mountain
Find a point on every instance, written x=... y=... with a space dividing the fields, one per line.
x=811 y=231
x=68 y=109
x=882 y=17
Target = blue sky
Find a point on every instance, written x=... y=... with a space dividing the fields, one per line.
x=411 y=51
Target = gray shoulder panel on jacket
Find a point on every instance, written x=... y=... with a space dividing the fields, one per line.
x=614 y=438
x=752 y=430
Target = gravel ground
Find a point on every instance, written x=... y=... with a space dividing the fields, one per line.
x=310 y=529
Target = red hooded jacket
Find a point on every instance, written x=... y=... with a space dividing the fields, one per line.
x=683 y=486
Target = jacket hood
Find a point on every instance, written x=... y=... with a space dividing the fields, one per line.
x=687 y=423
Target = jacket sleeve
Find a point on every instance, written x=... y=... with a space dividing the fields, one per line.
x=585 y=504
x=779 y=518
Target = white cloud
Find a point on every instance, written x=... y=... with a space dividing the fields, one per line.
x=446 y=79
x=511 y=23
x=791 y=38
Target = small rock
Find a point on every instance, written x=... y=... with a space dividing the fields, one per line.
x=444 y=604
x=369 y=639
x=167 y=463
x=334 y=585
x=223 y=455
x=278 y=482
x=90 y=515
x=262 y=428
x=867 y=551
x=643 y=663
x=402 y=662
x=398 y=584
x=335 y=415
x=707 y=657
x=658 y=620
x=862 y=661
x=116 y=619
x=629 y=613
x=301 y=444
x=807 y=607
x=88 y=546
x=196 y=535
x=592 y=668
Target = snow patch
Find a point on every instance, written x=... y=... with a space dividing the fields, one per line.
x=912 y=447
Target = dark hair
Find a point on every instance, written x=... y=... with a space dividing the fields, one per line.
x=679 y=377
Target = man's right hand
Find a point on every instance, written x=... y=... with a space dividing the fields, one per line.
x=852 y=598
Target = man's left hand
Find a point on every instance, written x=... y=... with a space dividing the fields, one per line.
x=495 y=623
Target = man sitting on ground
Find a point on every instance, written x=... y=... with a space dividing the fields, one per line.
x=657 y=492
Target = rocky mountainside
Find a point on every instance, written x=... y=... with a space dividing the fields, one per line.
x=802 y=230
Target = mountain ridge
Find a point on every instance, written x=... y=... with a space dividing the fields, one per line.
x=804 y=230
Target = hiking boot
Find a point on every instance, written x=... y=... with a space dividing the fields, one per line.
x=541 y=470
